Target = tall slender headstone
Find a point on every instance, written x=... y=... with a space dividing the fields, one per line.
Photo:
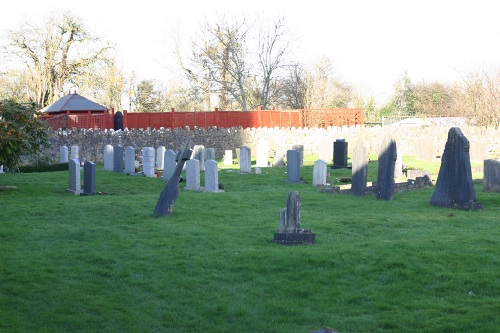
x=118 y=158
x=339 y=154
x=193 y=175
x=491 y=176
x=386 y=162
x=89 y=178
x=74 y=152
x=63 y=154
x=262 y=154
x=300 y=149
x=199 y=154
x=454 y=185
x=130 y=159
x=108 y=157
x=209 y=154
x=228 y=157
x=290 y=231
x=212 y=176
x=75 y=185
x=148 y=161
x=359 y=169
x=293 y=166
x=160 y=157
x=245 y=160
x=319 y=172
x=169 y=164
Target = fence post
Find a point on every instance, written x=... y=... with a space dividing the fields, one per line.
x=217 y=117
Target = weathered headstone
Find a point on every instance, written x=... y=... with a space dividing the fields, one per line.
x=339 y=154
x=228 y=157
x=279 y=157
x=293 y=166
x=75 y=185
x=130 y=159
x=199 y=154
x=262 y=159
x=386 y=163
x=300 y=149
x=325 y=150
x=193 y=175
x=359 y=169
x=319 y=172
x=454 y=185
x=89 y=178
x=74 y=152
x=168 y=196
x=63 y=154
x=212 y=176
x=491 y=176
x=118 y=158
x=290 y=231
x=169 y=164
x=108 y=157
x=209 y=154
x=160 y=156
x=148 y=161
x=245 y=160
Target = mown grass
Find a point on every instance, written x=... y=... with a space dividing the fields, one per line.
x=103 y=264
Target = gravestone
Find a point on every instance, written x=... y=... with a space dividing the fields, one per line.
x=118 y=121
x=63 y=154
x=290 y=231
x=491 y=176
x=89 y=178
x=209 y=154
x=325 y=150
x=339 y=154
x=130 y=159
x=386 y=163
x=75 y=185
x=454 y=185
x=168 y=196
x=199 y=154
x=398 y=167
x=118 y=158
x=148 y=161
x=160 y=157
x=245 y=160
x=108 y=157
x=228 y=157
x=293 y=167
x=359 y=169
x=262 y=159
x=237 y=150
x=279 y=157
x=300 y=149
x=169 y=164
x=319 y=172
x=193 y=175
x=211 y=176
x=74 y=152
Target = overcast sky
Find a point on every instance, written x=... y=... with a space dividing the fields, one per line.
x=371 y=43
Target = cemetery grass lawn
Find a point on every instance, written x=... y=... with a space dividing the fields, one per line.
x=103 y=264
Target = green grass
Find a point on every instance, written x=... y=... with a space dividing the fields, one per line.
x=104 y=264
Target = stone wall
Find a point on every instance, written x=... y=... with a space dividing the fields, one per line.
x=426 y=142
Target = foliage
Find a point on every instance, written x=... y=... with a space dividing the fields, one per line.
x=21 y=132
x=43 y=168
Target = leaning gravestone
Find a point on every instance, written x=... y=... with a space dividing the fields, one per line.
x=245 y=160
x=293 y=167
x=193 y=175
x=75 y=185
x=290 y=231
x=454 y=185
x=319 y=172
x=89 y=178
x=108 y=157
x=359 y=169
x=118 y=158
x=130 y=159
x=491 y=176
x=63 y=154
x=386 y=163
x=168 y=196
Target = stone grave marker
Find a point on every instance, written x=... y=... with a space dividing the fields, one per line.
x=118 y=158
x=386 y=163
x=359 y=169
x=228 y=157
x=340 y=154
x=129 y=159
x=199 y=154
x=454 y=185
x=325 y=150
x=63 y=154
x=108 y=157
x=89 y=178
x=245 y=160
x=262 y=159
x=169 y=164
x=209 y=154
x=279 y=157
x=74 y=152
x=319 y=172
x=75 y=185
x=293 y=166
x=212 y=176
x=237 y=150
x=290 y=231
x=491 y=175
x=300 y=149
x=148 y=161
x=193 y=175
x=160 y=156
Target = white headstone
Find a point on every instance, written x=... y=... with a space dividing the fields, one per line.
x=169 y=164
x=228 y=157
x=74 y=152
x=63 y=154
x=245 y=160
x=211 y=176
x=319 y=172
x=148 y=161
x=193 y=175
x=210 y=154
x=160 y=157
x=262 y=154
x=108 y=157
x=130 y=159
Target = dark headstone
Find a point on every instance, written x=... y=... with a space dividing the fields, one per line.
x=359 y=169
x=290 y=231
x=118 y=158
x=89 y=178
x=293 y=166
x=386 y=164
x=454 y=185
x=169 y=195
x=339 y=154
x=118 y=121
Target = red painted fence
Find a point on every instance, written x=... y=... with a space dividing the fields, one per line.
x=224 y=119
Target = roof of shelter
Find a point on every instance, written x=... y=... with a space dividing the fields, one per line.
x=73 y=102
